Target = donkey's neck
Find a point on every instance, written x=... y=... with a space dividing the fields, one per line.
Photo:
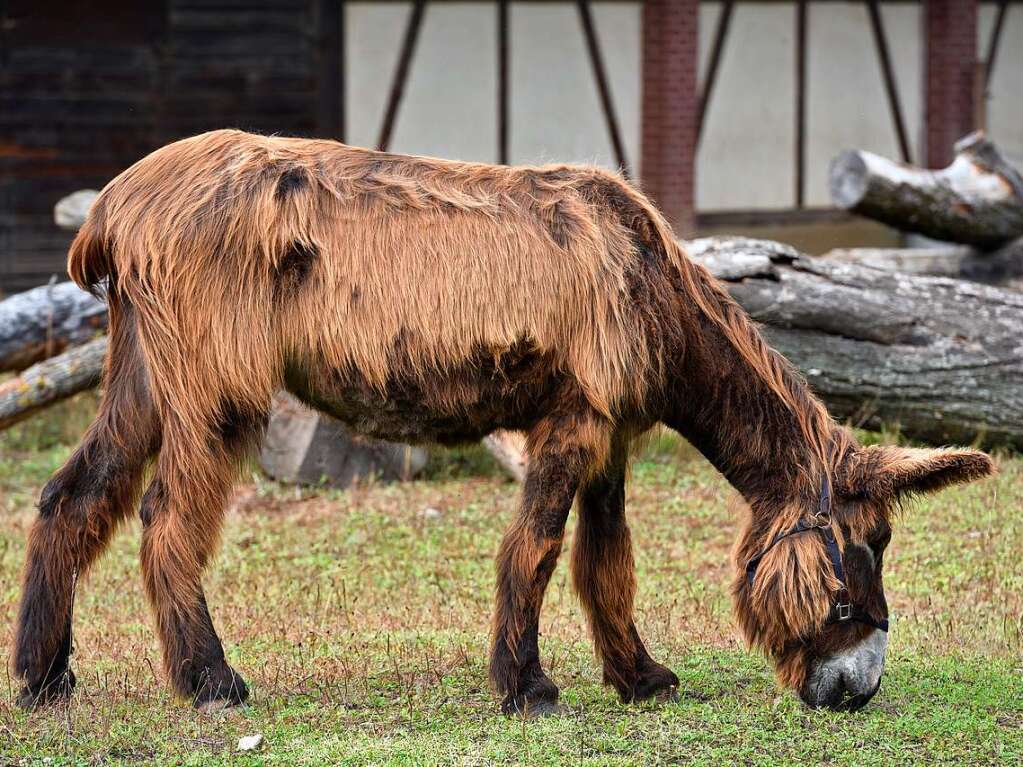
x=749 y=413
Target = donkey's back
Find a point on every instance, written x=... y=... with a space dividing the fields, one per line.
x=257 y=255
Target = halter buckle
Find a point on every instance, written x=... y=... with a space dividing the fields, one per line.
x=843 y=606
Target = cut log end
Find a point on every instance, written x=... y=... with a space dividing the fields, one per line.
x=977 y=200
x=848 y=179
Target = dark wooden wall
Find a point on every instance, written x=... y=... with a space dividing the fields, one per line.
x=87 y=88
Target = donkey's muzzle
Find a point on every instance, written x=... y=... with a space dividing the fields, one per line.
x=848 y=680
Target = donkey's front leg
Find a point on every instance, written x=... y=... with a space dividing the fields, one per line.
x=561 y=452
x=603 y=572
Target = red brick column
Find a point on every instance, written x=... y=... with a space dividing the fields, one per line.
x=670 y=103
x=950 y=55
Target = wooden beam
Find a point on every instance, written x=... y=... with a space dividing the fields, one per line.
x=890 y=86
x=597 y=61
x=801 y=8
x=408 y=48
x=753 y=217
x=992 y=44
x=503 y=93
x=717 y=48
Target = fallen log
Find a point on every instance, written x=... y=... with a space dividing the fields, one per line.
x=940 y=358
x=509 y=450
x=52 y=380
x=977 y=200
x=1003 y=267
x=45 y=321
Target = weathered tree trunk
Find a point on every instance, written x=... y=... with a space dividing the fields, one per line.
x=940 y=358
x=50 y=381
x=977 y=200
x=44 y=321
x=1003 y=267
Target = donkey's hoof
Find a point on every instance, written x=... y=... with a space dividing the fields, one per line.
x=658 y=684
x=47 y=692
x=220 y=689
x=539 y=700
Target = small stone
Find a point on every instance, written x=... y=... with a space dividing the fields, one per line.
x=430 y=513
x=250 y=742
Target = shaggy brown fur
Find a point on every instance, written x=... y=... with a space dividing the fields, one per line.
x=420 y=299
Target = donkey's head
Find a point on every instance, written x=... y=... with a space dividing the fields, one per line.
x=808 y=585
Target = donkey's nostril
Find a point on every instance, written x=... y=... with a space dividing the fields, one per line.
x=854 y=702
x=836 y=693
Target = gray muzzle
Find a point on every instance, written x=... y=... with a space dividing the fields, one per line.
x=848 y=680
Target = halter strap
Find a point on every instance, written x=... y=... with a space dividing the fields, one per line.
x=843 y=609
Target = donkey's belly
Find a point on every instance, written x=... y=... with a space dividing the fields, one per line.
x=512 y=390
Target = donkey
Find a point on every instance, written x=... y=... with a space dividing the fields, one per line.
x=418 y=300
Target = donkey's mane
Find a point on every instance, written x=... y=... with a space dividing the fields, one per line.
x=824 y=440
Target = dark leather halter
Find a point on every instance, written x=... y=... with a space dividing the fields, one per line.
x=843 y=609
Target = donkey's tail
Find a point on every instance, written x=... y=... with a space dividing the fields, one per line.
x=91 y=260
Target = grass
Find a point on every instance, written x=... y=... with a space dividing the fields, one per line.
x=360 y=620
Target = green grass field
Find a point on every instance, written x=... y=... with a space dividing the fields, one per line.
x=360 y=621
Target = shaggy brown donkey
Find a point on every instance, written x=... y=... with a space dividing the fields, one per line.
x=418 y=299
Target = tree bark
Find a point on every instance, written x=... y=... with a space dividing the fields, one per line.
x=306 y=447
x=940 y=358
x=50 y=381
x=977 y=200
x=45 y=321
x=1003 y=267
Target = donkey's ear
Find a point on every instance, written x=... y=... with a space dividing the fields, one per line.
x=883 y=472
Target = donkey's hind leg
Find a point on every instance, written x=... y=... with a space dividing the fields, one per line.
x=182 y=515
x=562 y=451
x=79 y=510
x=603 y=572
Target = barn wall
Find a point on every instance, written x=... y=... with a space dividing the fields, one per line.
x=72 y=111
x=746 y=158
x=450 y=102
x=77 y=109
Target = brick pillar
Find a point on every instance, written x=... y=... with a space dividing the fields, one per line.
x=950 y=56
x=670 y=103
